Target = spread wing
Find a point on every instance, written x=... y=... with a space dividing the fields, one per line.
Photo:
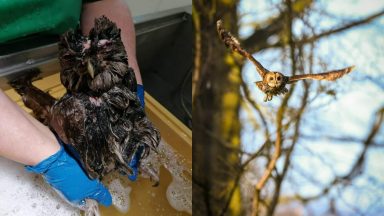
x=330 y=75
x=231 y=42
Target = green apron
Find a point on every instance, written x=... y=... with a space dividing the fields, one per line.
x=20 y=18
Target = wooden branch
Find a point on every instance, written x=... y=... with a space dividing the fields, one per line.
x=333 y=30
x=279 y=120
x=255 y=155
x=258 y=40
x=356 y=168
x=287 y=162
x=256 y=107
x=274 y=27
x=344 y=139
x=197 y=58
x=341 y=28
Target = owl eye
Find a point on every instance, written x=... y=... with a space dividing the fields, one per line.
x=270 y=78
x=279 y=78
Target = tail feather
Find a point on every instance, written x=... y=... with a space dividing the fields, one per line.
x=38 y=101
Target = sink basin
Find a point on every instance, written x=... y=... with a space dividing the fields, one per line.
x=164 y=51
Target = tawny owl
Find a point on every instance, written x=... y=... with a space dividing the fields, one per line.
x=100 y=116
x=274 y=83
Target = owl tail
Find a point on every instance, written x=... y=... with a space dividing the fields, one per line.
x=38 y=101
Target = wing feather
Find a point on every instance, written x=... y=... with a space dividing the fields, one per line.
x=330 y=75
x=231 y=42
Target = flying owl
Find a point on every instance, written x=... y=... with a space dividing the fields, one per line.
x=100 y=116
x=274 y=83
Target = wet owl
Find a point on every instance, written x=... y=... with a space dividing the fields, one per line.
x=273 y=83
x=100 y=116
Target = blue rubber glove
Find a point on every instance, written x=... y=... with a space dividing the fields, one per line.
x=140 y=94
x=134 y=163
x=65 y=175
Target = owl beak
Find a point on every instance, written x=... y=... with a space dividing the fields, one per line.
x=90 y=69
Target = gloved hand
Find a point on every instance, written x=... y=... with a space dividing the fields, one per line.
x=140 y=94
x=134 y=163
x=65 y=174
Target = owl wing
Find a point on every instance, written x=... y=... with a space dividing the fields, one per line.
x=330 y=75
x=231 y=42
x=72 y=120
x=38 y=101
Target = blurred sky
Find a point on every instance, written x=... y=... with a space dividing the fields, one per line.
x=350 y=113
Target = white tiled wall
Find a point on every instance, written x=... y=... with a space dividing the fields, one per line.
x=142 y=7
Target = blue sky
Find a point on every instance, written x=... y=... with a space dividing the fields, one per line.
x=350 y=113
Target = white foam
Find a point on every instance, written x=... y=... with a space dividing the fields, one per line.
x=120 y=195
x=179 y=192
x=179 y=195
x=23 y=193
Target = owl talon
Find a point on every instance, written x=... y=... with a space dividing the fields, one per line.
x=268 y=97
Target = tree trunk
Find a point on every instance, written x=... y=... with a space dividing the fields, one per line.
x=216 y=127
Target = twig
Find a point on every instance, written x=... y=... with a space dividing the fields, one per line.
x=279 y=119
x=256 y=107
x=342 y=28
x=356 y=168
x=334 y=30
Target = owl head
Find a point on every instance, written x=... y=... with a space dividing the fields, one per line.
x=71 y=58
x=273 y=79
x=107 y=59
x=101 y=58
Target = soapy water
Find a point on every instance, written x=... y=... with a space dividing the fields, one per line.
x=24 y=193
x=120 y=195
x=179 y=192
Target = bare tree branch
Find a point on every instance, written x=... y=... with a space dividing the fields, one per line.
x=296 y=135
x=279 y=119
x=256 y=107
x=258 y=40
x=346 y=139
x=334 y=30
x=357 y=167
x=341 y=28
x=197 y=58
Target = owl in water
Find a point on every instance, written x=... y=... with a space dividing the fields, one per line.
x=273 y=83
x=100 y=116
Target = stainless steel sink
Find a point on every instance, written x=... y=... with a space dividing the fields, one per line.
x=164 y=52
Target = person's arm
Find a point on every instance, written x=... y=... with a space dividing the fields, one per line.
x=118 y=12
x=25 y=140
